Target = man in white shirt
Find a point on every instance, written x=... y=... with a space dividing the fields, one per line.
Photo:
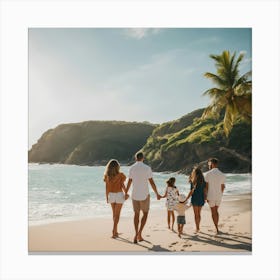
x=215 y=185
x=140 y=175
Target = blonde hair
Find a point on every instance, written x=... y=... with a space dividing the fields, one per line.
x=112 y=169
x=196 y=176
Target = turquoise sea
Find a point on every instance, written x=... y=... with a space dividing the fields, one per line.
x=60 y=192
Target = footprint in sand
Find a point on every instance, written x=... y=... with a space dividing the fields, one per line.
x=187 y=245
x=235 y=215
x=148 y=235
x=172 y=244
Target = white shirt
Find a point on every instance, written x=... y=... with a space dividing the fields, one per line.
x=140 y=173
x=215 y=178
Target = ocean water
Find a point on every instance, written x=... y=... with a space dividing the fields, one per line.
x=60 y=192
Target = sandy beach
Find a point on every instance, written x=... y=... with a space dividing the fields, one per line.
x=94 y=235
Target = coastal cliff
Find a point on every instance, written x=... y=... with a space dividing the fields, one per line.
x=179 y=145
x=172 y=146
x=91 y=142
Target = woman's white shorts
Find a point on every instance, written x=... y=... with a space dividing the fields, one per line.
x=116 y=197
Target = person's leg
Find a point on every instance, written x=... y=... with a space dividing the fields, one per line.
x=182 y=228
x=168 y=218
x=199 y=216
x=215 y=217
x=136 y=208
x=143 y=222
x=113 y=205
x=179 y=230
x=136 y=224
x=144 y=206
x=196 y=210
x=195 y=216
x=173 y=219
x=118 y=208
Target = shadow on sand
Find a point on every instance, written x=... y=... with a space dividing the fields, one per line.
x=154 y=248
x=218 y=240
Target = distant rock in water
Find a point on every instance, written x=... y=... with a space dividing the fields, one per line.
x=179 y=145
x=91 y=142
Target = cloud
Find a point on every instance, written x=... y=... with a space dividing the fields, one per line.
x=140 y=33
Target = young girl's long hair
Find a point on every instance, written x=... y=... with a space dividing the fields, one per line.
x=170 y=182
x=196 y=177
x=112 y=169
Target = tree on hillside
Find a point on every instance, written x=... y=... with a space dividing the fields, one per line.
x=232 y=94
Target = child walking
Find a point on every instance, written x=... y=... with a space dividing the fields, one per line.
x=171 y=194
x=181 y=207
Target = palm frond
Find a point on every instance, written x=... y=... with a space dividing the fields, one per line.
x=215 y=78
x=213 y=92
x=233 y=94
x=243 y=79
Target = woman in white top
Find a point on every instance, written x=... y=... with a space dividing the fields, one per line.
x=171 y=194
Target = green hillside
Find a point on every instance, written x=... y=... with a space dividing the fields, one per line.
x=172 y=146
x=179 y=144
x=92 y=142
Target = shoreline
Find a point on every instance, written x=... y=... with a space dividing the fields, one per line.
x=103 y=164
x=93 y=235
x=227 y=198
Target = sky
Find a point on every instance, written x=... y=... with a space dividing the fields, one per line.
x=129 y=74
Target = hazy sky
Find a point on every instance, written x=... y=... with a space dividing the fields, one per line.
x=153 y=75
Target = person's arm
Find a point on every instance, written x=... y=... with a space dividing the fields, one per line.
x=223 y=187
x=189 y=195
x=107 y=191
x=165 y=194
x=206 y=191
x=126 y=196
x=128 y=185
x=153 y=185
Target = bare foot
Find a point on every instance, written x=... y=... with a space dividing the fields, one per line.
x=135 y=240
x=140 y=238
x=179 y=234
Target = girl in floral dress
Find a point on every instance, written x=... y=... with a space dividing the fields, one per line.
x=171 y=194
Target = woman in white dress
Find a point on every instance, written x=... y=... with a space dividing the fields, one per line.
x=171 y=194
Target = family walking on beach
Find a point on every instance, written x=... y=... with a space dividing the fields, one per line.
x=208 y=187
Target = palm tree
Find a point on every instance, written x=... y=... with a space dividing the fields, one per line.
x=232 y=94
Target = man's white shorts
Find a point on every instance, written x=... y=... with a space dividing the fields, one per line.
x=213 y=203
x=116 y=197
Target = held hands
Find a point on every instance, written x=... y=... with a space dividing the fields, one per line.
x=158 y=196
x=126 y=196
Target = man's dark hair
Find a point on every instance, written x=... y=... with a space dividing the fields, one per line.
x=213 y=160
x=139 y=155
